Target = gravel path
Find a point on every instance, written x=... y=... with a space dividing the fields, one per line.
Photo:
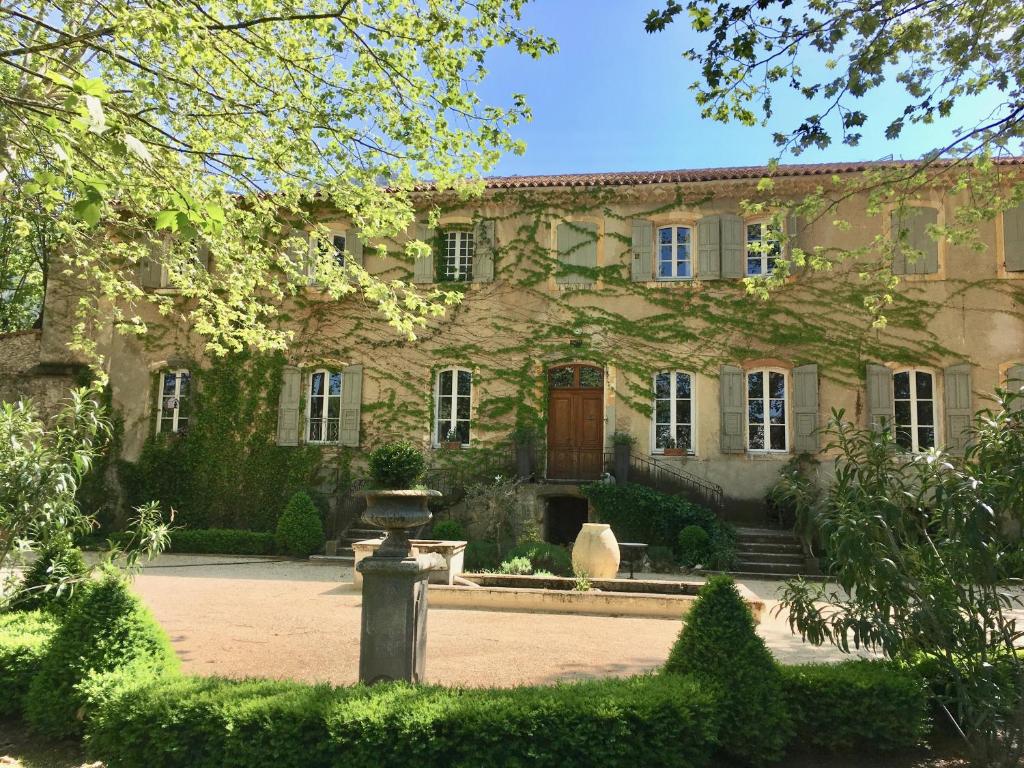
x=284 y=619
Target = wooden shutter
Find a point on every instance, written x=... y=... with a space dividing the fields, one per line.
x=879 y=397
x=483 y=251
x=152 y=272
x=957 y=396
x=353 y=246
x=732 y=402
x=805 y=409
x=916 y=221
x=423 y=268
x=1014 y=384
x=203 y=254
x=577 y=247
x=734 y=246
x=312 y=255
x=796 y=227
x=288 y=406
x=1013 y=239
x=351 y=402
x=709 y=250
x=642 y=263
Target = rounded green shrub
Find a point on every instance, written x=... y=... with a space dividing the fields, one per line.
x=694 y=543
x=51 y=580
x=451 y=530
x=299 y=530
x=105 y=627
x=481 y=555
x=396 y=465
x=24 y=636
x=545 y=557
x=719 y=646
x=516 y=566
x=661 y=559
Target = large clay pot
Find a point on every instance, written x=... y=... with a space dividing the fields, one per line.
x=596 y=552
x=396 y=512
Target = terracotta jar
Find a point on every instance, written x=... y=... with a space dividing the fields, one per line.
x=596 y=552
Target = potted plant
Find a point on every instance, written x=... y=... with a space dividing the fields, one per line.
x=452 y=441
x=397 y=502
x=671 y=449
x=524 y=438
x=622 y=447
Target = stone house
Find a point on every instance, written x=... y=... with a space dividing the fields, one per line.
x=607 y=303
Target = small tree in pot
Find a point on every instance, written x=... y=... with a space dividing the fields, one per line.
x=396 y=504
x=672 y=449
x=622 y=446
x=524 y=437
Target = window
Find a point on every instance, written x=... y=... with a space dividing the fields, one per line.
x=673 y=410
x=913 y=398
x=451 y=407
x=762 y=248
x=175 y=390
x=323 y=423
x=674 y=253
x=766 y=411
x=458 y=255
x=338 y=241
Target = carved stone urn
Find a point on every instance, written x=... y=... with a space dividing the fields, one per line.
x=397 y=512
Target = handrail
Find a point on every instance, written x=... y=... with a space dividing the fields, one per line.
x=647 y=472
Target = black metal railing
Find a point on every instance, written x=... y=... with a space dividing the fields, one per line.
x=645 y=471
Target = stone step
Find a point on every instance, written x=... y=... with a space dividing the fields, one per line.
x=359 y=534
x=764 y=536
x=796 y=558
x=750 y=547
x=774 y=569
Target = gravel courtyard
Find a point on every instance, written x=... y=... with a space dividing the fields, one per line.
x=240 y=617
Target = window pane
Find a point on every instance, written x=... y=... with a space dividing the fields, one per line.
x=683 y=268
x=777 y=411
x=903 y=438
x=776 y=384
x=665 y=253
x=753 y=233
x=925 y=438
x=169 y=381
x=664 y=269
x=778 y=438
x=333 y=408
x=560 y=377
x=166 y=424
x=316 y=384
x=755 y=384
x=924 y=385
x=339 y=249
x=662 y=411
x=463 y=408
x=462 y=428
x=755 y=411
x=335 y=384
x=185 y=383
x=925 y=416
x=682 y=385
x=661 y=385
x=465 y=382
x=665 y=236
x=683 y=412
x=446 y=382
x=683 y=234
x=591 y=377
x=756 y=437
x=754 y=266
x=316 y=407
x=901 y=385
x=444 y=408
x=661 y=435
x=684 y=437
x=902 y=412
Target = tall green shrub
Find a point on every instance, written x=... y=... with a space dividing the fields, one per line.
x=53 y=577
x=24 y=636
x=105 y=627
x=638 y=513
x=719 y=646
x=299 y=530
x=544 y=557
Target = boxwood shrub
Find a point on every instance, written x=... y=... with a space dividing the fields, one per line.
x=857 y=705
x=221 y=541
x=165 y=722
x=24 y=636
x=299 y=530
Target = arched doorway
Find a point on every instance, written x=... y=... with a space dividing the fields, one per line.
x=575 y=422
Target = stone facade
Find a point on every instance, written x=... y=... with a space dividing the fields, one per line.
x=25 y=375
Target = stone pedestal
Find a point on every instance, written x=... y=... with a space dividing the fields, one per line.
x=393 y=638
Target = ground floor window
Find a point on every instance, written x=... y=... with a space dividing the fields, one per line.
x=452 y=397
x=913 y=396
x=173 y=405
x=766 y=410
x=323 y=419
x=673 y=410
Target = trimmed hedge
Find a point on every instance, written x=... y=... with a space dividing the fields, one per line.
x=857 y=705
x=41 y=588
x=300 y=533
x=480 y=556
x=221 y=541
x=544 y=557
x=170 y=722
x=24 y=637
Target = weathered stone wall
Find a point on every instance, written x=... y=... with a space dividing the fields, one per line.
x=23 y=374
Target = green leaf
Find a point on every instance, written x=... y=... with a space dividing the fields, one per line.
x=88 y=211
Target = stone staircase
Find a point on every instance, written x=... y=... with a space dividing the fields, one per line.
x=343 y=544
x=769 y=552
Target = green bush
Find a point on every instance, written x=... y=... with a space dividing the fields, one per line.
x=105 y=627
x=396 y=465
x=516 y=566
x=480 y=556
x=661 y=559
x=694 y=546
x=856 y=706
x=299 y=530
x=222 y=541
x=719 y=646
x=205 y=723
x=545 y=557
x=451 y=530
x=24 y=637
x=51 y=580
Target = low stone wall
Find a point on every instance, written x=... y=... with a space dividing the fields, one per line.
x=23 y=375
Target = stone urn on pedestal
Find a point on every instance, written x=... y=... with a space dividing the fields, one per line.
x=596 y=552
x=622 y=448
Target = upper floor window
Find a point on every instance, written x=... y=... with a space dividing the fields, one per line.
x=175 y=391
x=763 y=248
x=913 y=397
x=766 y=410
x=452 y=396
x=675 y=252
x=673 y=410
x=323 y=418
x=338 y=252
x=459 y=248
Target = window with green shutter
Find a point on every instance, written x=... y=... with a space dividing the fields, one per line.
x=916 y=252
x=1013 y=239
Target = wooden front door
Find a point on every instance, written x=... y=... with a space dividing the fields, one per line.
x=575 y=422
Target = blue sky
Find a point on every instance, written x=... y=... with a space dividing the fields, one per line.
x=615 y=98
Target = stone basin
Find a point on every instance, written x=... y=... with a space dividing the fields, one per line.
x=453 y=553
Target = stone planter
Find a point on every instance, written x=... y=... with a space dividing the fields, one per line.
x=674 y=451
x=621 y=452
x=453 y=553
x=396 y=512
x=596 y=552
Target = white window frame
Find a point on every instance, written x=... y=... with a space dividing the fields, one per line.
x=339 y=254
x=457 y=267
x=675 y=251
x=453 y=419
x=761 y=256
x=177 y=373
x=915 y=425
x=691 y=449
x=323 y=418
x=766 y=418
